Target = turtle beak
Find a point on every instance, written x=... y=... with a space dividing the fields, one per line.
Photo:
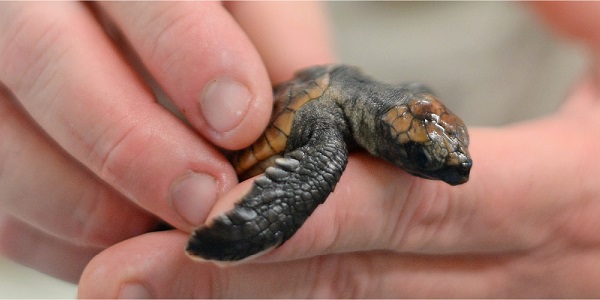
x=452 y=175
x=458 y=174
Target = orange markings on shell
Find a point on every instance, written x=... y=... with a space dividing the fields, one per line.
x=261 y=149
x=315 y=91
x=258 y=168
x=244 y=161
x=276 y=139
x=288 y=99
x=299 y=100
x=322 y=83
x=284 y=121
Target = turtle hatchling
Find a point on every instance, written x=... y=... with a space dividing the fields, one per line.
x=318 y=116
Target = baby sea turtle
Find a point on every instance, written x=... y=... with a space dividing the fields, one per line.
x=319 y=116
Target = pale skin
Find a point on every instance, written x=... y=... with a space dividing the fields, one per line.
x=97 y=146
x=524 y=225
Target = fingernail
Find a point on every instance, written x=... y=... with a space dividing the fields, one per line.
x=134 y=291
x=192 y=197
x=223 y=103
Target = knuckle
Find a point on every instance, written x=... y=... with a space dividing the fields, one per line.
x=173 y=23
x=5 y=141
x=7 y=235
x=115 y=150
x=89 y=222
x=345 y=276
x=104 y=218
x=11 y=147
x=424 y=216
x=29 y=45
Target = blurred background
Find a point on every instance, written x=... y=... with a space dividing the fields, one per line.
x=491 y=62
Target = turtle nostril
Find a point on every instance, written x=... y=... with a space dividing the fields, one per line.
x=467 y=164
x=465 y=167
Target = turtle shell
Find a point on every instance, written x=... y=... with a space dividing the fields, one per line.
x=308 y=85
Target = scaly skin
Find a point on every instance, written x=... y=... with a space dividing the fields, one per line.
x=317 y=117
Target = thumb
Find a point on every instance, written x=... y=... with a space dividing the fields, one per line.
x=154 y=266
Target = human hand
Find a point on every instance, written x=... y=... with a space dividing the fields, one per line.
x=525 y=225
x=88 y=158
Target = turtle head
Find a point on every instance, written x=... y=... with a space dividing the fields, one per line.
x=427 y=140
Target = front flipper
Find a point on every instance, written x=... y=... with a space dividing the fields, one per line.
x=280 y=201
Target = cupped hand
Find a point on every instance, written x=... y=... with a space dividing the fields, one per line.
x=525 y=225
x=87 y=156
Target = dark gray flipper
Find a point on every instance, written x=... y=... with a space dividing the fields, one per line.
x=281 y=199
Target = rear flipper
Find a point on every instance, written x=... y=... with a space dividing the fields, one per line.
x=279 y=202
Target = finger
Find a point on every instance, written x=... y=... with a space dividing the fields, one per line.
x=576 y=20
x=501 y=208
x=205 y=63
x=584 y=97
x=42 y=186
x=153 y=265
x=282 y=35
x=33 y=248
x=71 y=80
x=377 y=206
